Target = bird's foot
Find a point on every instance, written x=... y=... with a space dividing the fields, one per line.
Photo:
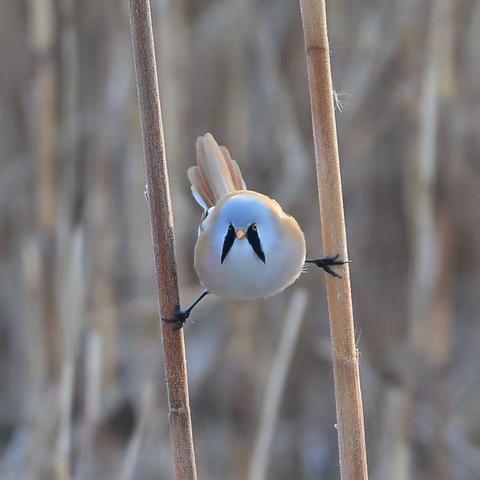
x=327 y=262
x=179 y=318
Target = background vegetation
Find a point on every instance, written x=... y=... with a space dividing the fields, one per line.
x=81 y=377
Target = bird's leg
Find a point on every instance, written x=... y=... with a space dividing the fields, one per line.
x=180 y=316
x=327 y=262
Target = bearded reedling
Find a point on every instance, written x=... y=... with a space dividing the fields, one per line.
x=247 y=246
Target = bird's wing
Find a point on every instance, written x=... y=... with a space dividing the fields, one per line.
x=216 y=173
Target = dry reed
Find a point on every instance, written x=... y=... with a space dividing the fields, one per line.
x=163 y=238
x=351 y=435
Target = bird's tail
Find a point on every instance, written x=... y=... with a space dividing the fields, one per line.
x=216 y=173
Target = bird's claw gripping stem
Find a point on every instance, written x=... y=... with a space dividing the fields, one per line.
x=179 y=318
x=327 y=262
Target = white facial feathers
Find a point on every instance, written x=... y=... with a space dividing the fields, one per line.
x=244 y=209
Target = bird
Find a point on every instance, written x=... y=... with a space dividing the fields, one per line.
x=247 y=246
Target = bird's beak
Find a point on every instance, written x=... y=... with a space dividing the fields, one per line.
x=240 y=234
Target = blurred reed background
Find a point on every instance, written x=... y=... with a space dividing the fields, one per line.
x=81 y=375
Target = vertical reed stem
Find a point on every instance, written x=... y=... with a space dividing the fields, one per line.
x=351 y=435
x=163 y=238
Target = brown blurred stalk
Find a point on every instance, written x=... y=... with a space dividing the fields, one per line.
x=43 y=118
x=351 y=435
x=163 y=237
x=431 y=239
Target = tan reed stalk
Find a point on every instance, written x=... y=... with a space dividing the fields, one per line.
x=351 y=435
x=163 y=238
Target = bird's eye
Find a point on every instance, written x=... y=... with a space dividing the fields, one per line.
x=254 y=227
x=230 y=228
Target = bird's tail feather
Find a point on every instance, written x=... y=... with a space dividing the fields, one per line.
x=216 y=173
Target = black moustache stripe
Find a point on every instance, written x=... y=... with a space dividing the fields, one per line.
x=228 y=242
x=254 y=241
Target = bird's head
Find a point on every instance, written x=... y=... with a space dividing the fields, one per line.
x=246 y=216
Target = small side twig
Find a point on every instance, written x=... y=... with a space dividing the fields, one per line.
x=163 y=238
x=351 y=435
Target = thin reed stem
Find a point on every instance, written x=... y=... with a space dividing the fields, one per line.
x=276 y=386
x=351 y=435
x=163 y=238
